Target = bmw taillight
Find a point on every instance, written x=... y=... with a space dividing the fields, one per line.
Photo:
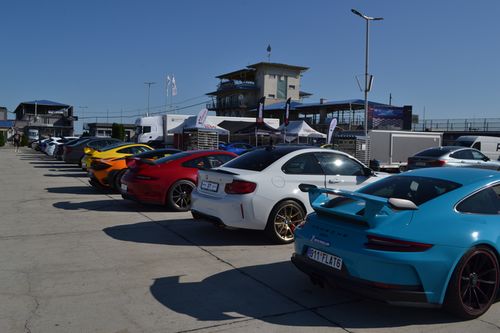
x=240 y=187
x=395 y=245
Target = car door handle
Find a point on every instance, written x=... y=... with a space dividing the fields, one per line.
x=335 y=181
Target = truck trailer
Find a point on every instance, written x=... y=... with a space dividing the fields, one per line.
x=392 y=148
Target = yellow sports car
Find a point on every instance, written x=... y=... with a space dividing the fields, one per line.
x=121 y=149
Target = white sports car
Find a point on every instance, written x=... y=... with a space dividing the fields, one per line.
x=260 y=189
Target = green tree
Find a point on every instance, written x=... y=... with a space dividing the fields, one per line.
x=85 y=133
x=118 y=131
x=2 y=138
x=24 y=140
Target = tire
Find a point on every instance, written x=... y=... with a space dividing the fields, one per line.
x=179 y=195
x=117 y=180
x=474 y=284
x=282 y=221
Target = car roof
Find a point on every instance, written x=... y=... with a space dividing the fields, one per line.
x=462 y=176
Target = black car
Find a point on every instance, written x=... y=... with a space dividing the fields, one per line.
x=73 y=153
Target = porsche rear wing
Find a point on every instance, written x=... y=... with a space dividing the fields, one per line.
x=370 y=213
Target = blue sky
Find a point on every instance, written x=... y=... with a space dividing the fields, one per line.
x=438 y=55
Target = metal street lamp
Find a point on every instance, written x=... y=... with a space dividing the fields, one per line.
x=149 y=90
x=367 y=82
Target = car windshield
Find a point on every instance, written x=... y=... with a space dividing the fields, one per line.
x=259 y=159
x=171 y=158
x=416 y=189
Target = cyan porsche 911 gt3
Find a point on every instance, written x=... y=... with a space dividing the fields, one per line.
x=425 y=237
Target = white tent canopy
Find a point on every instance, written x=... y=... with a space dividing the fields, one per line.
x=190 y=123
x=299 y=129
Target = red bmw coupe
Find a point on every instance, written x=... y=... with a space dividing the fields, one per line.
x=169 y=180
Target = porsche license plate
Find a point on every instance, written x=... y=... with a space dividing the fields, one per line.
x=209 y=186
x=324 y=258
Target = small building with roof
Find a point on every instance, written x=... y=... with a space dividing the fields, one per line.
x=48 y=117
x=106 y=129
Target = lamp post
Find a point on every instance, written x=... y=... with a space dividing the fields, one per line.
x=149 y=90
x=367 y=85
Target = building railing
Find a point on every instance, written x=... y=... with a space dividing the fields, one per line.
x=472 y=125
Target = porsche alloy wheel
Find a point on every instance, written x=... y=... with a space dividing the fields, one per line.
x=179 y=196
x=474 y=284
x=283 y=220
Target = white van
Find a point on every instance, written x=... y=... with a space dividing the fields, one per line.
x=488 y=145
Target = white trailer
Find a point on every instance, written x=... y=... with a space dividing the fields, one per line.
x=392 y=148
x=152 y=128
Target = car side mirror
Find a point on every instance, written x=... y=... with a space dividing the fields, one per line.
x=486 y=159
x=368 y=172
x=307 y=187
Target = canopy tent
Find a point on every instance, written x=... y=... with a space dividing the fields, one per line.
x=190 y=124
x=299 y=129
x=258 y=129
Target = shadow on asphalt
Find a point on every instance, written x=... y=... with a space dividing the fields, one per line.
x=110 y=205
x=76 y=174
x=75 y=190
x=46 y=162
x=226 y=296
x=187 y=231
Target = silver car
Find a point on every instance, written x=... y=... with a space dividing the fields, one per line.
x=451 y=156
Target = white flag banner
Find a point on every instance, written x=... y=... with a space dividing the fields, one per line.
x=333 y=124
x=201 y=118
x=174 y=86
x=168 y=82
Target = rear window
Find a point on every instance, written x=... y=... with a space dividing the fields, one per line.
x=172 y=158
x=434 y=152
x=416 y=189
x=258 y=159
x=78 y=142
x=114 y=145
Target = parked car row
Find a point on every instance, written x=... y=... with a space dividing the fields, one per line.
x=426 y=237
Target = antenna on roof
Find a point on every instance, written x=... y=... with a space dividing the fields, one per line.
x=268 y=52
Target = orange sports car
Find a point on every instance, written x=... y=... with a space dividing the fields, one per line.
x=107 y=172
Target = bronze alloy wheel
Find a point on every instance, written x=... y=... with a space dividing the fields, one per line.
x=283 y=220
x=474 y=285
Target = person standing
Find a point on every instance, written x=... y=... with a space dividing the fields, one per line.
x=17 y=141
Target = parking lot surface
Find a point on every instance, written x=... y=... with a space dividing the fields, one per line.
x=74 y=259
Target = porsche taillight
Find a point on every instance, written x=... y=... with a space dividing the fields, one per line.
x=395 y=245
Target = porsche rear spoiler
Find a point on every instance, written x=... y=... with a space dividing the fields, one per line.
x=375 y=207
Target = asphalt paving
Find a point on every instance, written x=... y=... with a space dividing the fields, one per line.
x=76 y=259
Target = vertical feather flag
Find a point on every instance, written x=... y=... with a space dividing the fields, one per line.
x=287 y=111
x=333 y=124
x=260 y=110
